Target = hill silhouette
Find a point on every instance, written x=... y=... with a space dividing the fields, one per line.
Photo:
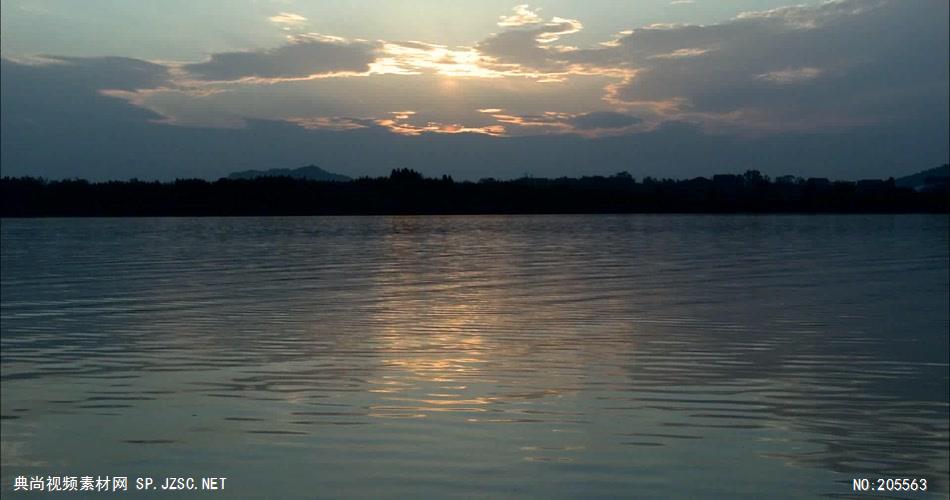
x=408 y=192
x=934 y=178
x=310 y=172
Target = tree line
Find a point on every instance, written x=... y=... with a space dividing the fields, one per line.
x=405 y=191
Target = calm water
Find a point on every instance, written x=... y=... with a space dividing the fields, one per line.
x=549 y=357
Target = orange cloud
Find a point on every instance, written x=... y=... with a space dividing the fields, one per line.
x=399 y=124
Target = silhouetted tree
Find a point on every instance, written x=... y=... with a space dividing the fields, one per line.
x=406 y=191
x=405 y=175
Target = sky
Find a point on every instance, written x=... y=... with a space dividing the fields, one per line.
x=177 y=89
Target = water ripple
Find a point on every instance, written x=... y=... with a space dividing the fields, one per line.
x=555 y=356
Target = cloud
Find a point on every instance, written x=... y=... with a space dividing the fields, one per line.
x=528 y=43
x=592 y=124
x=96 y=73
x=331 y=123
x=843 y=86
x=788 y=76
x=71 y=92
x=414 y=58
x=806 y=68
x=288 y=20
x=838 y=64
x=680 y=53
x=305 y=56
x=523 y=16
x=602 y=120
x=55 y=122
x=400 y=122
x=548 y=121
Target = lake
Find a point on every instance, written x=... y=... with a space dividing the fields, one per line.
x=492 y=356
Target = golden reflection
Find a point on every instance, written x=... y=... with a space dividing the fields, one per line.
x=463 y=339
x=430 y=335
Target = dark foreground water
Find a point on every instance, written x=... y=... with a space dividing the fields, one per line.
x=431 y=357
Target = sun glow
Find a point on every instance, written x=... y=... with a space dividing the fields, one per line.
x=414 y=58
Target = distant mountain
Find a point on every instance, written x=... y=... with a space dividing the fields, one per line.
x=310 y=172
x=934 y=176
